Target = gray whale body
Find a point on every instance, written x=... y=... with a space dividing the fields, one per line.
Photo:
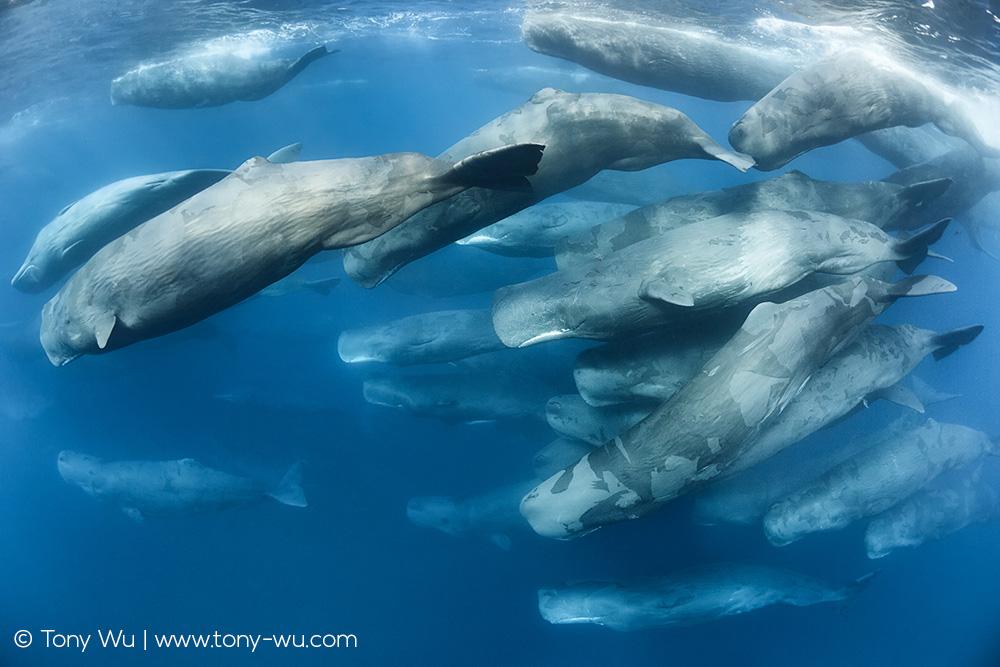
x=583 y=135
x=675 y=58
x=702 y=269
x=207 y=80
x=425 y=338
x=842 y=97
x=90 y=223
x=164 y=488
x=875 y=480
x=696 y=595
x=249 y=230
x=889 y=205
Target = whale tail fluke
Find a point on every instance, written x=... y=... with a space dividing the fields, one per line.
x=289 y=490
x=504 y=168
x=948 y=342
x=915 y=249
x=919 y=286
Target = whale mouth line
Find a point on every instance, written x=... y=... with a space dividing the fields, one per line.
x=386 y=404
x=555 y=334
x=26 y=277
x=476 y=239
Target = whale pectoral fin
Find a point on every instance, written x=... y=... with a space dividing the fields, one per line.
x=501 y=540
x=134 y=514
x=899 y=395
x=661 y=290
x=103 y=328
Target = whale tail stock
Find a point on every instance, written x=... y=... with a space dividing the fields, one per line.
x=949 y=341
x=289 y=490
x=504 y=168
x=309 y=57
x=912 y=251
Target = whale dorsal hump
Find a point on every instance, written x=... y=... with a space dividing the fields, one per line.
x=253 y=163
x=659 y=289
x=545 y=94
x=103 y=327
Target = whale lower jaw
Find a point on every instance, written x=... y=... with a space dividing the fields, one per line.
x=477 y=240
x=358 y=359
x=543 y=337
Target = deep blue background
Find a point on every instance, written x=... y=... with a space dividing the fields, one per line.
x=352 y=562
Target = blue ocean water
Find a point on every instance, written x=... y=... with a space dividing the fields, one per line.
x=408 y=77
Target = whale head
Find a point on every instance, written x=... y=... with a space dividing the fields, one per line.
x=357 y=346
x=386 y=392
x=582 y=603
x=82 y=470
x=767 y=133
x=437 y=512
x=29 y=278
x=72 y=327
x=54 y=252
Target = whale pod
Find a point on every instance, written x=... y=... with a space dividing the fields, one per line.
x=696 y=434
